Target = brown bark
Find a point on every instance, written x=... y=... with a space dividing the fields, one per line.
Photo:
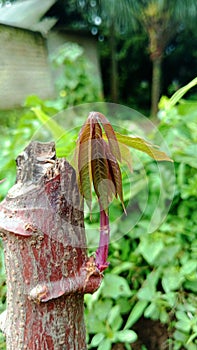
x=48 y=271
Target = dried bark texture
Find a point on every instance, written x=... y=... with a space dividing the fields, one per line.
x=42 y=225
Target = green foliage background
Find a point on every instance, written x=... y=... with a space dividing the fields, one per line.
x=151 y=275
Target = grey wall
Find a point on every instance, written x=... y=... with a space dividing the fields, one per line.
x=24 y=68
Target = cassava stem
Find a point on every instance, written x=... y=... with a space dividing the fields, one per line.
x=102 y=251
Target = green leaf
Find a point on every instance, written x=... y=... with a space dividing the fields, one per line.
x=181 y=336
x=152 y=311
x=148 y=290
x=115 y=287
x=191 y=338
x=97 y=339
x=191 y=285
x=94 y=325
x=136 y=313
x=124 y=266
x=125 y=306
x=163 y=316
x=126 y=155
x=180 y=315
x=180 y=93
x=105 y=345
x=189 y=267
x=56 y=130
x=102 y=309
x=183 y=326
x=172 y=279
x=167 y=254
x=114 y=318
x=150 y=248
x=144 y=146
x=128 y=336
x=33 y=100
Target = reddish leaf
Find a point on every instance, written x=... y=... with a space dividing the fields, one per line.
x=111 y=136
x=84 y=161
x=103 y=185
x=96 y=130
x=97 y=161
x=125 y=153
x=115 y=174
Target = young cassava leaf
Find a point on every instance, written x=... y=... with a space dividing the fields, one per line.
x=84 y=162
x=98 y=155
x=97 y=162
x=115 y=174
x=100 y=173
x=110 y=133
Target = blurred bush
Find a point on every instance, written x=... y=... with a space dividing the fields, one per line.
x=77 y=80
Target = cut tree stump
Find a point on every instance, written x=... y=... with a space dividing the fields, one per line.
x=48 y=271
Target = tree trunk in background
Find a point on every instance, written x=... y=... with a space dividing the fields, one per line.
x=48 y=272
x=114 y=66
x=156 y=84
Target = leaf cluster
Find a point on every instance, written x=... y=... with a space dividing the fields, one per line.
x=98 y=161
